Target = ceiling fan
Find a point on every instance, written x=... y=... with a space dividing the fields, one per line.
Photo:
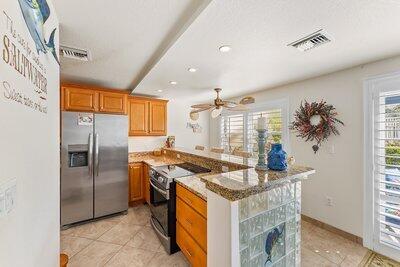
x=219 y=104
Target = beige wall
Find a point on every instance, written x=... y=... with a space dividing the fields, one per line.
x=339 y=175
x=178 y=116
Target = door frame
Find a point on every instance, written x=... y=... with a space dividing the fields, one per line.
x=371 y=86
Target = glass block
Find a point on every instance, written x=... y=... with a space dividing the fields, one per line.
x=243 y=209
x=257 y=261
x=298 y=231
x=256 y=225
x=298 y=255
x=244 y=257
x=298 y=189
x=258 y=203
x=275 y=197
x=290 y=210
x=290 y=259
x=280 y=263
x=298 y=208
x=244 y=234
x=291 y=226
x=255 y=245
x=280 y=214
x=269 y=219
x=288 y=192
x=290 y=242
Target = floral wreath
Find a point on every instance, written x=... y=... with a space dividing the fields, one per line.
x=315 y=121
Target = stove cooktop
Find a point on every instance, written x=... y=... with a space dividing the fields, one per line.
x=180 y=170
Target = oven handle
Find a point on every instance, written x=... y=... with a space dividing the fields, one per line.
x=156 y=229
x=163 y=192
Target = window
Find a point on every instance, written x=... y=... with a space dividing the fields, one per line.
x=382 y=165
x=387 y=165
x=232 y=132
x=238 y=130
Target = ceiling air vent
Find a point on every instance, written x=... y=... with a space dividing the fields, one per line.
x=75 y=53
x=311 y=41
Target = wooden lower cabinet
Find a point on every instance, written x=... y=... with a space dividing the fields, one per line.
x=191 y=226
x=196 y=256
x=136 y=182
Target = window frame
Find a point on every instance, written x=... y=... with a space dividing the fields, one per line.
x=282 y=104
x=372 y=87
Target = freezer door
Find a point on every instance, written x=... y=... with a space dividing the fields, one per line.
x=110 y=164
x=76 y=167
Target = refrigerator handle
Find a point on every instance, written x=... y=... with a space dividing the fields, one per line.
x=90 y=152
x=96 y=155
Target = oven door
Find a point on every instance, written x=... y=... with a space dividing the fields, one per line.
x=159 y=198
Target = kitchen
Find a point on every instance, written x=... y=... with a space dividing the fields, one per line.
x=199 y=133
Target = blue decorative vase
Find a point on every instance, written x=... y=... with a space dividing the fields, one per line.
x=277 y=158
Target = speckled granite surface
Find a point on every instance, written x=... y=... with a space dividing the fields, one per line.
x=241 y=184
x=241 y=181
x=150 y=159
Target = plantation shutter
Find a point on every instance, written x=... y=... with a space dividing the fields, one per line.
x=274 y=126
x=386 y=136
x=232 y=132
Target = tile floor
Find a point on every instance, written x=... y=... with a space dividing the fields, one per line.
x=128 y=240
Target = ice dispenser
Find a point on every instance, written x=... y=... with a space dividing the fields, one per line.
x=78 y=156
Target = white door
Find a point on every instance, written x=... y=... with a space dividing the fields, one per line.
x=383 y=196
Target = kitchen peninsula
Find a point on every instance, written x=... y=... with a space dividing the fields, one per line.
x=251 y=218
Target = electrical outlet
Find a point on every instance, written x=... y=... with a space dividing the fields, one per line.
x=329 y=201
x=332 y=149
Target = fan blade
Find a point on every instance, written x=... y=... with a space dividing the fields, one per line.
x=202 y=106
x=247 y=100
x=229 y=104
x=199 y=110
x=239 y=107
x=216 y=112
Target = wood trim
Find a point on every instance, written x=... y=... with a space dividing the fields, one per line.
x=97 y=88
x=333 y=229
x=147 y=98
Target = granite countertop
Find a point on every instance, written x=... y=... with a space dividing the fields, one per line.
x=195 y=184
x=236 y=185
x=241 y=184
x=222 y=157
x=150 y=159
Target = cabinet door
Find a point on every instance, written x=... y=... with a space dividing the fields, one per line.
x=112 y=102
x=138 y=117
x=135 y=181
x=77 y=99
x=146 y=181
x=158 y=118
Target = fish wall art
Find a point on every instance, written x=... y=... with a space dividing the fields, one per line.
x=36 y=13
x=273 y=244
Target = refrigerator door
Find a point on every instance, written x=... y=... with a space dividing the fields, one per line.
x=76 y=167
x=110 y=164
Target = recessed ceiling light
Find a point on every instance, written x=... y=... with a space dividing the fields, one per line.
x=173 y=82
x=192 y=69
x=224 y=48
x=159 y=90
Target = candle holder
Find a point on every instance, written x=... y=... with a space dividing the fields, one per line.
x=262 y=137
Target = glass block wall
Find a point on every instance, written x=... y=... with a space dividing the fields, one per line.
x=269 y=229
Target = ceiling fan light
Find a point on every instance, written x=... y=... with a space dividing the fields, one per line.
x=216 y=112
x=194 y=116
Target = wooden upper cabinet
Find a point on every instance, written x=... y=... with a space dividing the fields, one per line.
x=78 y=99
x=110 y=102
x=138 y=117
x=158 y=118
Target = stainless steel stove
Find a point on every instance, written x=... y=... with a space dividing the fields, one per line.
x=162 y=200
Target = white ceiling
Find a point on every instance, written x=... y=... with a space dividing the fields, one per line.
x=125 y=39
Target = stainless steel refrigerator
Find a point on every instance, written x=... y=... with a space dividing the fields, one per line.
x=94 y=166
